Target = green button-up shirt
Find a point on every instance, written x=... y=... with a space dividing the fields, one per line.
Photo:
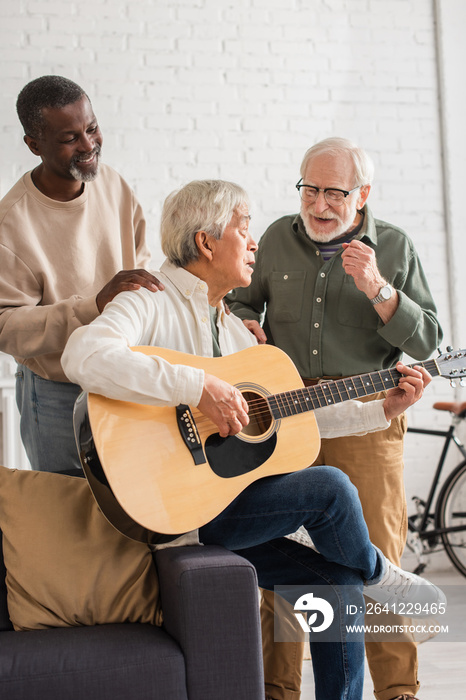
x=313 y=310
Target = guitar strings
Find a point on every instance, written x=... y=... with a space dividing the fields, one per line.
x=289 y=401
x=303 y=395
x=293 y=399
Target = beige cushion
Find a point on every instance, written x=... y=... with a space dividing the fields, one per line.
x=66 y=565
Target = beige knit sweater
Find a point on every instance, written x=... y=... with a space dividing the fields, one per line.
x=54 y=259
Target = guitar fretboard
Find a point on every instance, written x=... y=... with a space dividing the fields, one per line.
x=328 y=393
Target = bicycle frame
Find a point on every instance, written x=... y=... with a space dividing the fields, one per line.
x=450 y=436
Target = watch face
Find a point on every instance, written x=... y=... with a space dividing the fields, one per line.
x=386 y=292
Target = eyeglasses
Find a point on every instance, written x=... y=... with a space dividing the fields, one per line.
x=333 y=196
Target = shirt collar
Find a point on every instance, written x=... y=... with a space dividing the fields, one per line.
x=368 y=228
x=185 y=282
x=188 y=284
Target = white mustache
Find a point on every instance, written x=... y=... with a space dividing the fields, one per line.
x=327 y=218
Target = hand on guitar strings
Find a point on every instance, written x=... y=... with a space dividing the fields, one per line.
x=224 y=405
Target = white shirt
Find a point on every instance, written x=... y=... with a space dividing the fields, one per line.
x=98 y=356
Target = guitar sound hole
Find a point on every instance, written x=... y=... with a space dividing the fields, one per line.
x=260 y=418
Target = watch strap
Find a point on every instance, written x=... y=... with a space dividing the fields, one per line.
x=380 y=297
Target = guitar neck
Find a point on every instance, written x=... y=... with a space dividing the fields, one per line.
x=328 y=393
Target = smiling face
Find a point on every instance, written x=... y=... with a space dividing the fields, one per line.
x=70 y=144
x=322 y=221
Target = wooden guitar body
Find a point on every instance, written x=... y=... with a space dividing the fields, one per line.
x=165 y=471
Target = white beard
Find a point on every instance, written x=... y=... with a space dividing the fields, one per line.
x=90 y=175
x=323 y=236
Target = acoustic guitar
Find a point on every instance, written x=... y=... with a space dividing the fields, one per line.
x=158 y=472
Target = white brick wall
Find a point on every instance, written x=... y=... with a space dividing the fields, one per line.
x=239 y=89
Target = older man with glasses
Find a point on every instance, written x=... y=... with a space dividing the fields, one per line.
x=344 y=293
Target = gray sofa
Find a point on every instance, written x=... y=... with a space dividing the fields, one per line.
x=209 y=647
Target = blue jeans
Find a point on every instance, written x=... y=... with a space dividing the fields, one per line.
x=46 y=424
x=327 y=504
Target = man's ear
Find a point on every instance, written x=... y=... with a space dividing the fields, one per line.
x=32 y=144
x=204 y=245
x=363 y=195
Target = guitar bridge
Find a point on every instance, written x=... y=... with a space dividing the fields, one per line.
x=189 y=433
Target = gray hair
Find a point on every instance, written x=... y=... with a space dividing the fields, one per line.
x=363 y=165
x=201 y=205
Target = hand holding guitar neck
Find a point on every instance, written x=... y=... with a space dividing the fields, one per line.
x=410 y=388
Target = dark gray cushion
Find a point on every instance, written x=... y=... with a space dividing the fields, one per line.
x=105 y=662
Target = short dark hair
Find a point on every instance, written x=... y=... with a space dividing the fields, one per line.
x=48 y=91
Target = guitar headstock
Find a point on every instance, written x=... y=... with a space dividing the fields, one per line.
x=452 y=365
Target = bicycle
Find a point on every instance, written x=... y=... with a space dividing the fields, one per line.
x=442 y=524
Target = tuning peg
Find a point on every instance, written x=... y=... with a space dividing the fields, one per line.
x=449 y=348
x=453 y=383
x=463 y=382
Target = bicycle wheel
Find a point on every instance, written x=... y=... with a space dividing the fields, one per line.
x=451 y=512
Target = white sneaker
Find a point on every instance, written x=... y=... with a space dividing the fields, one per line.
x=407 y=594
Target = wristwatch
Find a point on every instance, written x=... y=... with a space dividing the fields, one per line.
x=384 y=294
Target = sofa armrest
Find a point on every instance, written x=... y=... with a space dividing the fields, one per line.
x=210 y=606
x=5 y=623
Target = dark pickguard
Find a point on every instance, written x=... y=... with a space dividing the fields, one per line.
x=231 y=456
